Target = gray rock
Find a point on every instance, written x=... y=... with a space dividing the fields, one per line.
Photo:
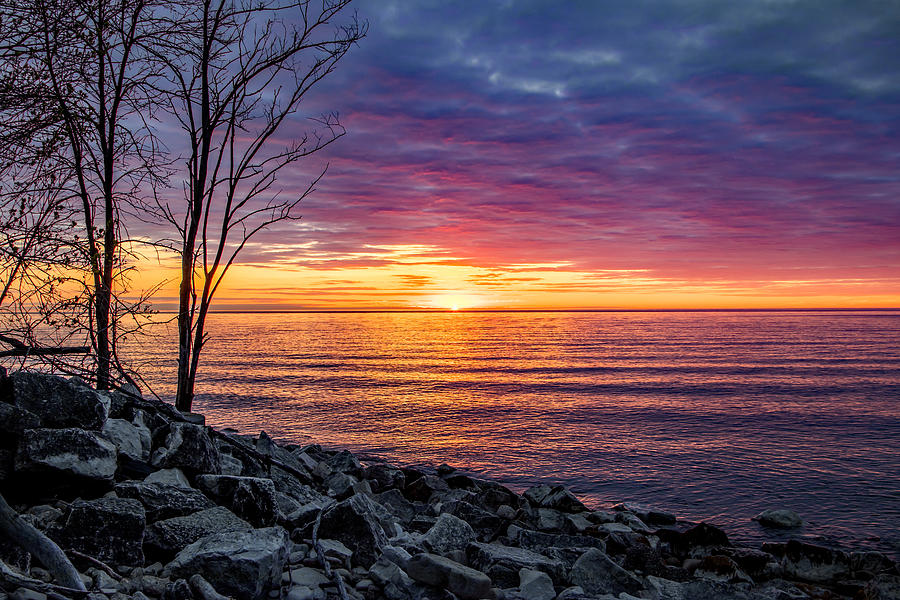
x=482 y=521
x=307 y=577
x=229 y=465
x=188 y=447
x=421 y=489
x=14 y=420
x=721 y=568
x=58 y=403
x=809 y=562
x=883 y=587
x=503 y=563
x=385 y=476
x=250 y=498
x=173 y=477
x=538 y=540
x=536 y=585
x=780 y=518
x=244 y=564
x=355 y=523
x=438 y=571
x=168 y=537
x=131 y=440
x=300 y=491
x=596 y=573
x=109 y=529
x=448 y=533
x=164 y=501
x=70 y=452
x=555 y=497
x=401 y=508
x=646 y=514
x=340 y=485
x=345 y=462
x=267 y=447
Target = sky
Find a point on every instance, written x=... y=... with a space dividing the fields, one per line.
x=531 y=154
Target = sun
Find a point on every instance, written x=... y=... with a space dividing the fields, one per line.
x=453 y=301
x=454 y=307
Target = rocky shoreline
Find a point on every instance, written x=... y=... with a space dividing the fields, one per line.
x=147 y=502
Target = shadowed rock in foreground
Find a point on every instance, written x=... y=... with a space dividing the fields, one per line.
x=149 y=505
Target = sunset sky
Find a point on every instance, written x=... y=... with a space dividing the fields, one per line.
x=599 y=154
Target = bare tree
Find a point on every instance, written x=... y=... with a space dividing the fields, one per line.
x=239 y=71
x=87 y=92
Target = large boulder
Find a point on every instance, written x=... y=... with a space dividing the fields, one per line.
x=809 y=562
x=250 y=498
x=166 y=538
x=503 y=563
x=466 y=583
x=597 y=574
x=72 y=452
x=484 y=522
x=385 y=477
x=536 y=585
x=555 y=497
x=188 y=447
x=56 y=402
x=13 y=421
x=108 y=529
x=355 y=522
x=780 y=518
x=449 y=533
x=132 y=440
x=164 y=501
x=244 y=564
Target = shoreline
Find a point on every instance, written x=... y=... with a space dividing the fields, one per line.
x=161 y=499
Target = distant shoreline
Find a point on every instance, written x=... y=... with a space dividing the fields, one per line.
x=550 y=310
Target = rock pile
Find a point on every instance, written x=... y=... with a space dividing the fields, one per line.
x=150 y=503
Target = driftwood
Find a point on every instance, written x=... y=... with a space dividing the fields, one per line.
x=204 y=589
x=320 y=554
x=7 y=575
x=96 y=563
x=20 y=349
x=40 y=546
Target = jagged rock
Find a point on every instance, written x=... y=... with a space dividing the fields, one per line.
x=300 y=491
x=355 y=523
x=536 y=585
x=883 y=587
x=14 y=420
x=466 y=583
x=345 y=462
x=632 y=521
x=250 y=498
x=422 y=488
x=131 y=440
x=448 y=533
x=173 y=477
x=548 y=519
x=164 y=501
x=267 y=447
x=385 y=476
x=229 y=465
x=481 y=520
x=58 y=403
x=166 y=538
x=698 y=540
x=188 y=447
x=780 y=518
x=756 y=563
x=721 y=568
x=503 y=563
x=645 y=514
x=109 y=529
x=244 y=564
x=555 y=497
x=870 y=562
x=71 y=452
x=809 y=562
x=493 y=495
x=340 y=485
x=404 y=510
x=596 y=573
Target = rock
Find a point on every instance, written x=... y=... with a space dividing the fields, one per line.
x=340 y=485
x=337 y=550
x=250 y=498
x=26 y=594
x=698 y=540
x=229 y=465
x=307 y=577
x=421 y=489
x=809 y=562
x=385 y=476
x=300 y=491
x=173 y=477
x=239 y=563
x=164 y=501
x=58 y=403
x=394 y=501
x=780 y=518
x=438 y=571
x=267 y=447
x=556 y=497
x=721 y=568
x=536 y=585
x=646 y=515
x=188 y=447
x=482 y=521
x=448 y=533
x=131 y=440
x=492 y=495
x=166 y=538
x=14 y=420
x=596 y=573
x=538 y=540
x=870 y=562
x=883 y=587
x=301 y=592
x=109 y=529
x=354 y=522
x=345 y=462
x=503 y=563
x=71 y=452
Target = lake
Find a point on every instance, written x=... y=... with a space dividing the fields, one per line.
x=710 y=415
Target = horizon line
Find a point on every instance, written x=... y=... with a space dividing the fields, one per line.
x=541 y=310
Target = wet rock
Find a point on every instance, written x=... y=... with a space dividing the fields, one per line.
x=555 y=497
x=71 y=452
x=267 y=447
x=345 y=462
x=355 y=523
x=721 y=568
x=251 y=498
x=698 y=540
x=484 y=522
x=58 y=403
x=286 y=483
x=164 y=539
x=883 y=587
x=503 y=563
x=109 y=529
x=131 y=440
x=780 y=518
x=645 y=514
x=596 y=573
x=172 y=477
x=164 y=501
x=188 y=447
x=466 y=583
x=448 y=533
x=244 y=564
x=809 y=562
x=869 y=562
x=492 y=495
x=385 y=476
x=421 y=489
x=536 y=585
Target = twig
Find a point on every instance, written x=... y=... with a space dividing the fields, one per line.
x=37 y=586
x=320 y=553
x=95 y=562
